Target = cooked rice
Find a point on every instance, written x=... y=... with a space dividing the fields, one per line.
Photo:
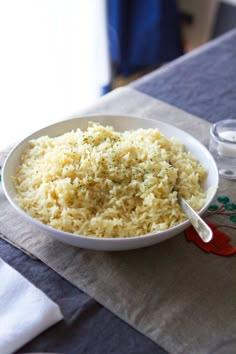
x=104 y=183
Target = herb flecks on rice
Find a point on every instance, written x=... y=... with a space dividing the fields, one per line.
x=106 y=183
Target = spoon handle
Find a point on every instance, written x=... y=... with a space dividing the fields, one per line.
x=198 y=223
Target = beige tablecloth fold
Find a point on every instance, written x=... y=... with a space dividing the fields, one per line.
x=174 y=293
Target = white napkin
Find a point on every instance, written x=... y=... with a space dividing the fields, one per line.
x=25 y=311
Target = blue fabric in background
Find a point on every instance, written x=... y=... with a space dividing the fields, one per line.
x=143 y=33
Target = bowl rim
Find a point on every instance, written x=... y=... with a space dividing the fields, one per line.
x=52 y=230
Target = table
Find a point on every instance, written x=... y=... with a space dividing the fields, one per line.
x=202 y=83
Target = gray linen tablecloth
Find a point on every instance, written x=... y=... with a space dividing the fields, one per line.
x=202 y=82
x=172 y=292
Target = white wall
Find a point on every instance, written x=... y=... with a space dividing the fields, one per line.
x=49 y=65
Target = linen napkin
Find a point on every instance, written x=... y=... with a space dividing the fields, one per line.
x=25 y=311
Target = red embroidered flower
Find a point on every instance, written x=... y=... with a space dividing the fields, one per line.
x=220 y=243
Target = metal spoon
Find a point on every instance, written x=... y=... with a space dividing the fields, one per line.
x=198 y=223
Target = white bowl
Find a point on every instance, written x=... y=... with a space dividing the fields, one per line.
x=120 y=123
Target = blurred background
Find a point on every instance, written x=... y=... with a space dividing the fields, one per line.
x=58 y=57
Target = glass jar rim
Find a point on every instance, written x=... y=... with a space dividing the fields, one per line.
x=217 y=136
